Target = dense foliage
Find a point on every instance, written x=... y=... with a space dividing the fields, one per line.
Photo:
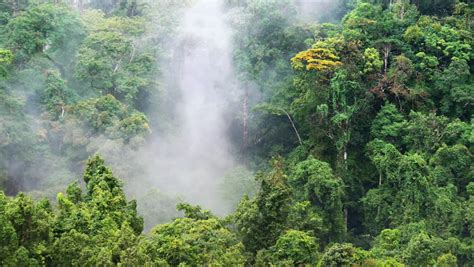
x=361 y=133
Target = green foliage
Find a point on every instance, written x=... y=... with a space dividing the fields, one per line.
x=340 y=255
x=44 y=29
x=446 y=260
x=470 y=207
x=99 y=226
x=453 y=90
x=261 y=220
x=420 y=251
x=194 y=212
x=305 y=217
x=194 y=242
x=452 y=164
x=387 y=243
x=380 y=103
x=388 y=124
x=57 y=96
x=295 y=247
x=111 y=62
x=108 y=115
x=29 y=228
x=6 y=58
x=315 y=182
x=373 y=63
x=121 y=7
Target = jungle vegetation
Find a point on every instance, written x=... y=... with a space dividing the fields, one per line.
x=360 y=133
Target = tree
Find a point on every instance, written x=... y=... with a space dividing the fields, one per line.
x=41 y=30
x=470 y=207
x=319 y=59
x=29 y=224
x=100 y=226
x=314 y=181
x=57 y=96
x=452 y=90
x=373 y=63
x=452 y=164
x=446 y=260
x=387 y=243
x=111 y=62
x=446 y=42
x=406 y=190
x=295 y=247
x=340 y=254
x=420 y=251
x=108 y=115
x=6 y=58
x=424 y=132
x=388 y=125
x=8 y=236
x=261 y=220
x=194 y=242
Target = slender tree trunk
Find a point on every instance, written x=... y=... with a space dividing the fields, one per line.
x=294 y=127
x=386 y=53
x=345 y=155
x=402 y=11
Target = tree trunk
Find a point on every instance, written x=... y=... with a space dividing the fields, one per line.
x=345 y=155
x=386 y=54
x=294 y=127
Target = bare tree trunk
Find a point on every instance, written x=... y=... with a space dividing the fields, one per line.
x=345 y=155
x=386 y=54
x=294 y=127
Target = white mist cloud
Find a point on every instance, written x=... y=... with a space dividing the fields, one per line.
x=191 y=160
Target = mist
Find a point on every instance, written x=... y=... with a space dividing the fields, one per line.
x=190 y=159
x=320 y=10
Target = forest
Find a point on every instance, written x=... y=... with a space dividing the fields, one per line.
x=237 y=133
